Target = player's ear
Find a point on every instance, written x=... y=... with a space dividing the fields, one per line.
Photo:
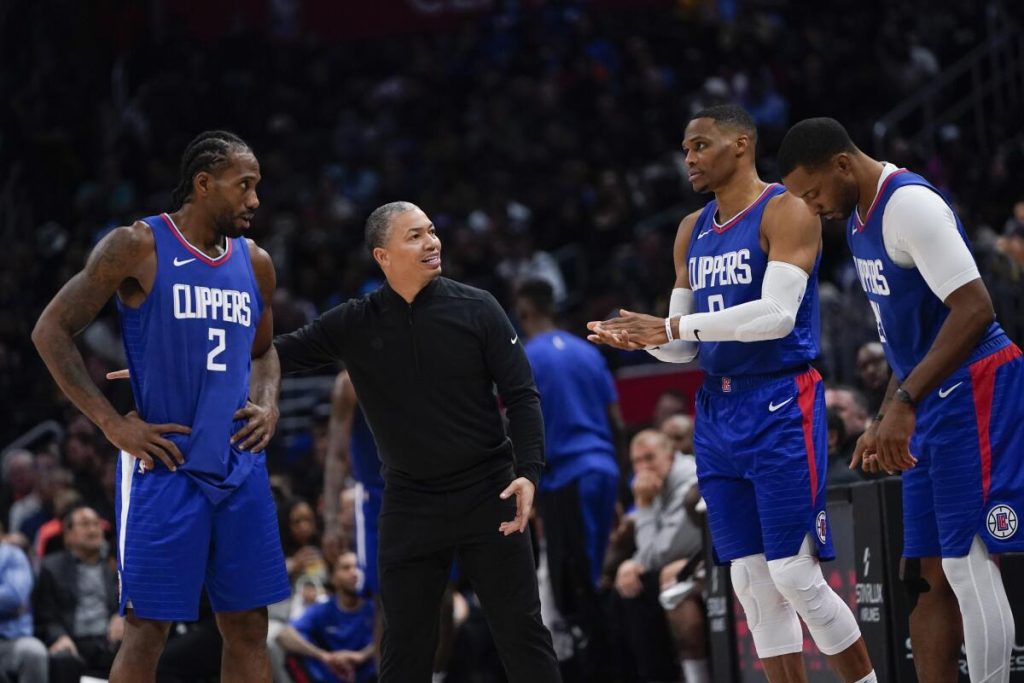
x=841 y=162
x=201 y=183
x=742 y=144
x=381 y=256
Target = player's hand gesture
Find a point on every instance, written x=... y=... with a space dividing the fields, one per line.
x=261 y=423
x=523 y=489
x=865 y=453
x=629 y=331
x=893 y=438
x=146 y=441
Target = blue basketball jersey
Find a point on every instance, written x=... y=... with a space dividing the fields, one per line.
x=907 y=312
x=363 y=453
x=576 y=389
x=189 y=350
x=726 y=265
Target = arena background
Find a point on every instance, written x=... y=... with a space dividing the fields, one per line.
x=541 y=137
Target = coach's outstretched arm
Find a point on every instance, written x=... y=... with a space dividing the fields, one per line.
x=115 y=264
x=792 y=236
x=261 y=412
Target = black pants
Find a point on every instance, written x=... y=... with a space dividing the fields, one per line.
x=571 y=583
x=641 y=631
x=420 y=535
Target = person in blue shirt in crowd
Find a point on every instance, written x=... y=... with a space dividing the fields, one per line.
x=335 y=638
x=22 y=656
x=583 y=431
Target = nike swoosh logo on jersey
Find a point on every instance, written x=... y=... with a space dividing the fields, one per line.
x=515 y=339
x=182 y=262
x=706 y=232
x=772 y=407
x=943 y=393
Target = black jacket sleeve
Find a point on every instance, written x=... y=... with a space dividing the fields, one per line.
x=511 y=372
x=319 y=343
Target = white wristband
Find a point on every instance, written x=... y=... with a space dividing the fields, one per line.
x=668 y=329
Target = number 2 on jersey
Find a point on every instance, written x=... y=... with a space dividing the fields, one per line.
x=220 y=336
x=716 y=302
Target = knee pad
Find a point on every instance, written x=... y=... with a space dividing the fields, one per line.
x=773 y=624
x=829 y=620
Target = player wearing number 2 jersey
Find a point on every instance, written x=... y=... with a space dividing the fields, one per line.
x=193 y=502
x=953 y=418
x=746 y=304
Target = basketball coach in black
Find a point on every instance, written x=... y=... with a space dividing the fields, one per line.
x=425 y=353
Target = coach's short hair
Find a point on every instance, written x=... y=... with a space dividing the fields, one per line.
x=812 y=143
x=730 y=116
x=379 y=223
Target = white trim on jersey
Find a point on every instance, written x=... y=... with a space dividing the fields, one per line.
x=127 y=471
x=361 y=533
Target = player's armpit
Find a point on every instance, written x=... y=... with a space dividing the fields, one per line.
x=792 y=232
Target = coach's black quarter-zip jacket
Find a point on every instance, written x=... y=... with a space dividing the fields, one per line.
x=425 y=374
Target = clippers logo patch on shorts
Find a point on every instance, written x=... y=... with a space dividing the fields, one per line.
x=821 y=526
x=1002 y=522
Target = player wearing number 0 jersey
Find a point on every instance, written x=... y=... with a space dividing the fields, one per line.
x=953 y=419
x=193 y=504
x=746 y=304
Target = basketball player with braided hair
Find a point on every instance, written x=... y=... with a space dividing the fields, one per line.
x=193 y=502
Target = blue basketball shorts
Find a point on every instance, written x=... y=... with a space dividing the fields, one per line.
x=172 y=541
x=969 y=445
x=762 y=452
x=368 y=502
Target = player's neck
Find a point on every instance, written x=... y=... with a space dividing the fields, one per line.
x=199 y=230
x=867 y=171
x=739 y=193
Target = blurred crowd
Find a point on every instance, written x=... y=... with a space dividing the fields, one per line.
x=543 y=140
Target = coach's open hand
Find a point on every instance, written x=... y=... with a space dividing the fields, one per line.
x=630 y=331
x=523 y=489
x=259 y=428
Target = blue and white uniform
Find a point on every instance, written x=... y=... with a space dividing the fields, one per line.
x=760 y=435
x=213 y=521
x=369 y=495
x=969 y=478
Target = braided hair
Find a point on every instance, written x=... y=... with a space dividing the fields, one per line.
x=206 y=152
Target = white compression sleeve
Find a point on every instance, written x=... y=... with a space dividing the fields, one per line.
x=678 y=351
x=770 y=317
x=919 y=230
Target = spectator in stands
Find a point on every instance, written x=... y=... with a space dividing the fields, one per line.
x=679 y=429
x=669 y=402
x=1011 y=242
x=583 y=430
x=19 y=497
x=82 y=457
x=839 y=471
x=335 y=638
x=300 y=541
x=50 y=537
x=22 y=656
x=76 y=600
x=872 y=374
x=852 y=407
x=664 y=534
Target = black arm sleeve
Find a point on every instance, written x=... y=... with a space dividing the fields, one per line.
x=319 y=343
x=511 y=372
